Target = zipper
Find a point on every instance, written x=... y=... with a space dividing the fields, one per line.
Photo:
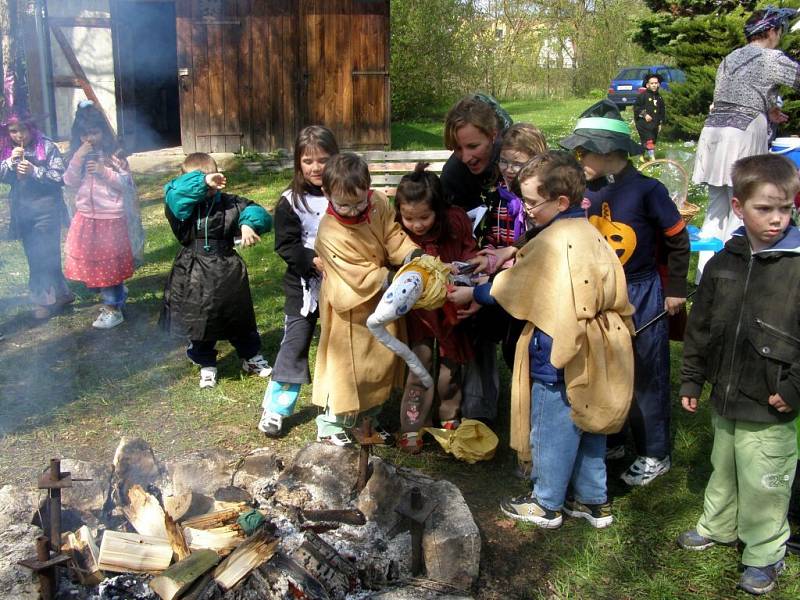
x=776 y=331
x=736 y=336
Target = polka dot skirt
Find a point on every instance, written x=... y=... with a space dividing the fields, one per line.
x=98 y=252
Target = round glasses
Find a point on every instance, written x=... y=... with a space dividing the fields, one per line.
x=513 y=166
x=350 y=209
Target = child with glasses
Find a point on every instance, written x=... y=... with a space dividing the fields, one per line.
x=358 y=241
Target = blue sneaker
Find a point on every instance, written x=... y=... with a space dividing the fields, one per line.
x=761 y=580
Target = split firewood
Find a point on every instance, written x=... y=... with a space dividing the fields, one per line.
x=187 y=505
x=145 y=513
x=122 y=552
x=254 y=551
x=84 y=552
x=217 y=518
x=220 y=539
x=179 y=577
x=176 y=539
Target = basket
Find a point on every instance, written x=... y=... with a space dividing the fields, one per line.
x=675 y=178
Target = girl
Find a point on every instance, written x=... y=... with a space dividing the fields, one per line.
x=297 y=217
x=444 y=231
x=32 y=165
x=98 y=250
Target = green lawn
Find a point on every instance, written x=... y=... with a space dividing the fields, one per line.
x=69 y=390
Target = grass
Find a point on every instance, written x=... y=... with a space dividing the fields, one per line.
x=69 y=390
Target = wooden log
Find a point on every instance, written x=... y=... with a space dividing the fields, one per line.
x=220 y=539
x=122 y=552
x=217 y=518
x=179 y=577
x=187 y=505
x=84 y=553
x=145 y=513
x=254 y=551
x=176 y=539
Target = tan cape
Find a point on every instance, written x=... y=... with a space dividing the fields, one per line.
x=354 y=371
x=569 y=283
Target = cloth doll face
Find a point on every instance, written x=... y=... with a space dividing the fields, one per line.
x=417 y=217
x=766 y=215
x=511 y=163
x=312 y=164
x=474 y=148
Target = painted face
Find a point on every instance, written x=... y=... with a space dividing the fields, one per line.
x=93 y=136
x=510 y=163
x=312 y=164
x=765 y=214
x=19 y=134
x=350 y=207
x=474 y=148
x=652 y=84
x=417 y=217
x=538 y=209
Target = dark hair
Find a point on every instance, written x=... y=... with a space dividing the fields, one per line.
x=559 y=175
x=470 y=111
x=422 y=186
x=309 y=138
x=345 y=176
x=750 y=173
x=88 y=117
x=199 y=161
x=26 y=120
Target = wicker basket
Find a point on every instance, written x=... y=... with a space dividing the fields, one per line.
x=677 y=183
x=688 y=211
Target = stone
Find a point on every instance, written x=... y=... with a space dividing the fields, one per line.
x=134 y=463
x=86 y=496
x=203 y=472
x=382 y=493
x=327 y=473
x=412 y=592
x=18 y=542
x=257 y=471
x=17 y=505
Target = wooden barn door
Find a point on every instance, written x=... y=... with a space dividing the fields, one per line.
x=214 y=74
x=345 y=55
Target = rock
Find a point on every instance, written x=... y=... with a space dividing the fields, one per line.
x=134 y=463
x=257 y=470
x=326 y=473
x=17 y=542
x=202 y=472
x=86 y=496
x=126 y=587
x=17 y=505
x=411 y=592
x=451 y=543
x=231 y=493
x=382 y=494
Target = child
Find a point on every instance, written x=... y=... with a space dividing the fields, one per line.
x=578 y=353
x=444 y=231
x=357 y=241
x=32 y=165
x=649 y=113
x=207 y=295
x=297 y=218
x=637 y=218
x=97 y=251
x=743 y=337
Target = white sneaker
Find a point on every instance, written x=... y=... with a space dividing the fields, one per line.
x=271 y=423
x=208 y=377
x=257 y=365
x=109 y=317
x=644 y=469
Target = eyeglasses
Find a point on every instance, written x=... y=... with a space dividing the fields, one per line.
x=531 y=208
x=350 y=209
x=514 y=167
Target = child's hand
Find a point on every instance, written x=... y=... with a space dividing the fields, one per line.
x=249 y=236
x=460 y=295
x=776 y=402
x=317 y=261
x=95 y=168
x=18 y=153
x=481 y=262
x=466 y=313
x=673 y=305
x=689 y=404
x=24 y=168
x=216 y=181
x=84 y=149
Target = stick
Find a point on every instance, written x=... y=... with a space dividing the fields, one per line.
x=659 y=316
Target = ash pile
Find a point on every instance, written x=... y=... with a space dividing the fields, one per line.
x=214 y=526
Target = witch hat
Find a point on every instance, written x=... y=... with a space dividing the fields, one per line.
x=601 y=130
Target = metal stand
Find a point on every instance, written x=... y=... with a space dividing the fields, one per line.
x=416 y=509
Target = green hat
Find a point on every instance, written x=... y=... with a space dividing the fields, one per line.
x=600 y=129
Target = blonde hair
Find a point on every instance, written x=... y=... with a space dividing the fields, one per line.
x=750 y=173
x=524 y=137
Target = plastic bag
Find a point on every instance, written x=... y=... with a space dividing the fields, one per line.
x=471 y=442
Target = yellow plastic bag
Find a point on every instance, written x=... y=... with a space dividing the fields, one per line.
x=471 y=442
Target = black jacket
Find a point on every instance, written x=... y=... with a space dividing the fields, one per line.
x=743 y=334
x=649 y=103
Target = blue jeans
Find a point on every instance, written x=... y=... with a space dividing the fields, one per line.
x=564 y=457
x=113 y=296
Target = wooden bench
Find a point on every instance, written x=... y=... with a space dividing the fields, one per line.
x=386 y=168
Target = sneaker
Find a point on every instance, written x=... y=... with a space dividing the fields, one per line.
x=451 y=424
x=615 y=452
x=761 y=580
x=257 y=365
x=692 y=540
x=598 y=515
x=526 y=508
x=271 y=423
x=644 y=469
x=340 y=438
x=410 y=442
x=109 y=317
x=208 y=377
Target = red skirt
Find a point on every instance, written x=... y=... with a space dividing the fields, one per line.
x=98 y=252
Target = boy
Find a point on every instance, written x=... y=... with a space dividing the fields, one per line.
x=743 y=336
x=636 y=216
x=357 y=241
x=577 y=353
x=207 y=295
x=649 y=113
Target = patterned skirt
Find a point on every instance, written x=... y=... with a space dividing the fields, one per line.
x=98 y=252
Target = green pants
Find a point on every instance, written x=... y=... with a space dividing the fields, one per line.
x=748 y=493
x=330 y=424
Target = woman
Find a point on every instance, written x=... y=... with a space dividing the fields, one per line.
x=744 y=99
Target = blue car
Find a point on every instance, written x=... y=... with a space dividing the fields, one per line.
x=628 y=83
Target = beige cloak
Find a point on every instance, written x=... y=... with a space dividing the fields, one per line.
x=569 y=283
x=354 y=371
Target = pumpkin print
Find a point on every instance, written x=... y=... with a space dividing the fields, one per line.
x=621 y=237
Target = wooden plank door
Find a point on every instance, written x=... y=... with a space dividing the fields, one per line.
x=214 y=74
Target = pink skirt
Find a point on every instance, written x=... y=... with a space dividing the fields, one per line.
x=98 y=252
